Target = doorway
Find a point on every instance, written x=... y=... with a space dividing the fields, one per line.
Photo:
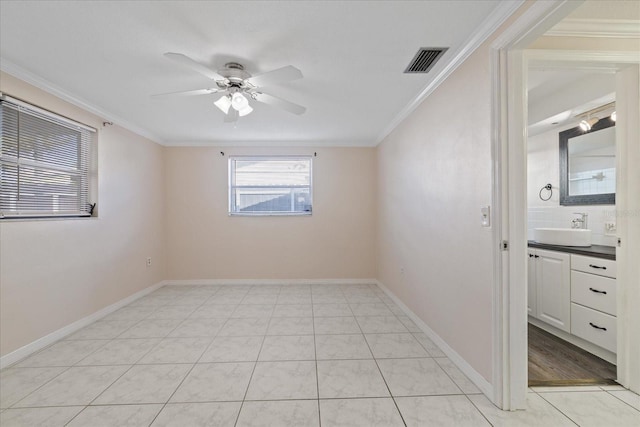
x=510 y=64
x=570 y=223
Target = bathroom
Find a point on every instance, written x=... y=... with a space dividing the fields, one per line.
x=571 y=180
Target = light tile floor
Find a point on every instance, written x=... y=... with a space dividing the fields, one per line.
x=330 y=355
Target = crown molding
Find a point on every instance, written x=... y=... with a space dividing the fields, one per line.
x=27 y=76
x=610 y=28
x=503 y=11
x=542 y=57
x=307 y=144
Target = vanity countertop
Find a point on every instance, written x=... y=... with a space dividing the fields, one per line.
x=598 y=251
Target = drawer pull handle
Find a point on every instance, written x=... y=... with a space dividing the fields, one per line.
x=597 y=266
x=597 y=327
x=597 y=291
x=530 y=255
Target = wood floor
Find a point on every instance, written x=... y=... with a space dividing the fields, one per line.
x=555 y=362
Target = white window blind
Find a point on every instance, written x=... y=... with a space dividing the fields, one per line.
x=44 y=163
x=270 y=185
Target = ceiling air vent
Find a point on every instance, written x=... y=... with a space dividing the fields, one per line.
x=425 y=59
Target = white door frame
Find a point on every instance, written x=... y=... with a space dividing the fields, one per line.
x=509 y=113
x=628 y=224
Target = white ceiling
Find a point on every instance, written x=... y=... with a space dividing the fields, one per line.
x=556 y=97
x=607 y=10
x=560 y=92
x=352 y=55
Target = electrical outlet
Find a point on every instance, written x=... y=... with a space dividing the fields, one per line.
x=402 y=271
x=148 y=261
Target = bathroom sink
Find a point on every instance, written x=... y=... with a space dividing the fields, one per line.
x=562 y=236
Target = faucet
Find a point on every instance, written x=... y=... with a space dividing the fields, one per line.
x=581 y=222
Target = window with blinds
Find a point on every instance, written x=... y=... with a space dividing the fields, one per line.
x=270 y=185
x=44 y=163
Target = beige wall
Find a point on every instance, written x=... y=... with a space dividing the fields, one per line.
x=434 y=174
x=55 y=272
x=204 y=242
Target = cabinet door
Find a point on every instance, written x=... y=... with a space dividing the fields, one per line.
x=553 y=288
x=531 y=284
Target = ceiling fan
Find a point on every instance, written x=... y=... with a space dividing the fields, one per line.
x=237 y=86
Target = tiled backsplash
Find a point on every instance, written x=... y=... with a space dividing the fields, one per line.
x=593 y=182
x=561 y=216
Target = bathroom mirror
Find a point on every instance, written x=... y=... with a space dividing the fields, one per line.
x=588 y=165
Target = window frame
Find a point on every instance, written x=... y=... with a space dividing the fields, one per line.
x=231 y=187
x=85 y=170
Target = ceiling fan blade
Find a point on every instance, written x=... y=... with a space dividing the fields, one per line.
x=194 y=65
x=189 y=92
x=280 y=75
x=232 y=116
x=274 y=101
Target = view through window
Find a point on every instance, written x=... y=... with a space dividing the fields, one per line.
x=270 y=185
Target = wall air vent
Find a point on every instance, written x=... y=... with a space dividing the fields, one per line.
x=425 y=59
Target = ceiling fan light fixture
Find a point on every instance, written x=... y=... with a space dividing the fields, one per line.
x=239 y=102
x=238 y=86
x=224 y=103
x=246 y=110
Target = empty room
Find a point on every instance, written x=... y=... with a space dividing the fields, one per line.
x=320 y=213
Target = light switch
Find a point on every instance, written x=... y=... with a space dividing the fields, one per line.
x=485 y=213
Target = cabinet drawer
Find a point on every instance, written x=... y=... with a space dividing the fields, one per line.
x=585 y=323
x=593 y=291
x=599 y=266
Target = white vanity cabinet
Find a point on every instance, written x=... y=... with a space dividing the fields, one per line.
x=574 y=297
x=593 y=300
x=550 y=287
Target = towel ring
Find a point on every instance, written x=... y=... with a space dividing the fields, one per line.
x=546 y=187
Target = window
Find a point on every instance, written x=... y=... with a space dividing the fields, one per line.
x=270 y=185
x=44 y=163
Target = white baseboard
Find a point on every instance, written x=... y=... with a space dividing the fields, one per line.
x=272 y=282
x=19 y=354
x=484 y=385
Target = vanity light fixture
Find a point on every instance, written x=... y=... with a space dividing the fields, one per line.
x=586 y=125
x=589 y=118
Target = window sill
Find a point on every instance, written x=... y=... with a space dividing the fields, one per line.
x=46 y=218
x=270 y=214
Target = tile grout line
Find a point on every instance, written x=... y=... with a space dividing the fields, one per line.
x=187 y=374
x=557 y=409
x=38 y=388
x=76 y=364
x=478 y=409
x=264 y=336
x=380 y=371
x=609 y=392
x=56 y=376
x=255 y=365
x=463 y=393
x=446 y=373
x=247 y=400
x=315 y=352
x=100 y=394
